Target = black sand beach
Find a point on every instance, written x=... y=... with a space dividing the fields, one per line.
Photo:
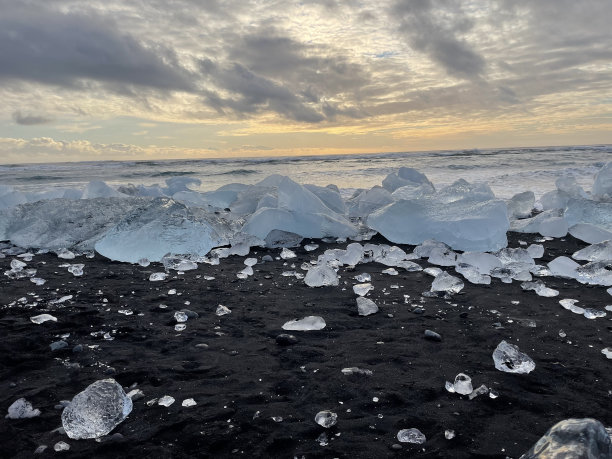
x=241 y=378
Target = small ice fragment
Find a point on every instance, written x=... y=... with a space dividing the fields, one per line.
x=322 y=439
x=180 y=327
x=125 y=312
x=76 y=270
x=390 y=271
x=320 y=276
x=481 y=390
x=135 y=394
x=61 y=300
x=65 y=254
x=180 y=316
x=411 y=436
x=41 y=318
x=97 y=410
x=21 y=409
x=311 y=247
x=449 y=434
x=158 y=277
x=37 y=280
x=250 y=261
x=535 y=250
x=277 y=418
x=41 y=449
x=188 y=402
x=449 y=386
x=326 y=419
x=570 y=305
x=306 y=324
x=362 y=289
x=166 y=401
x=562 y=334
x=608 y=307
x=61 y=446
x=286 y=254
x=432 y=271
x=493 y=394
x=356 y=371
x=444 y=282
x=172 y=291
x=509 y=359
x=363 y=278
x=594 y=313
x=17 y=265
x=144 y=262
x=463 y=384
x=540 y=289
x=607 y=351
x=222 y=310
x=365 y=306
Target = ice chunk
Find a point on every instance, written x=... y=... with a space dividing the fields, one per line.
x=250 y=261
x=158 y=277
x=535 y=250
x=21 y=409
x=311 y=247
x=99 y=189
x=573 y=438
x=601 y=251
x=509 y=359
x=61 y=446
x=563 y=267
x=553 y=227
x=76 y=270
x=326 y=419
x=222 y=310
x=462 y=190
x=570 y=305
x=188 y=402
x=287 y=254
x=425 y=249
x=411 y=436
x=594 y=313
x=352 y=256
x=97 y=410
x=483 y=262
x=592 y=212
x=65 y=254
x=322 y=275
x=521 y=205
x=590 y=234
x=365 y=306
x=442 y=257
x=607 y=351
x=390 y=271
x=363 y=277
x=464 y=225
x=539 y=288
x=166 y=401
x=444 y=282
x=356 y=371
x=38 y=281
x=405 y=176
x=449 y=434
x=305 y=324
x=472 y=274
x=463 y=384
x=330 y=196
x=433 y=271
x=480 y=390
x=279 y=238
x=41 y=318
x=602 y=187
x=362 y=289
x=180 y=316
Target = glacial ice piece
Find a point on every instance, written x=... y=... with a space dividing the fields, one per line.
x=483 y=262
x=180 y=183
x=166 y=401
x=222 y=310
x=444 y=282
x=188 y=402
x=279 y=238
x=563 y=267
x=65 y=254
x=158 y=277
x=21 y=409
x=365 y=306
x=602 y=187
x=449 y=434
x=573 y=438
x=509 y=359
x=411 y=436
x=320 y=276
x=306 y=324
x=61 y=446
x=352 y=256
x=607 y=351
x=521 y=205
x=425 y=249
x=99 y=189
x=97 y=410
x=362 y=289
x=41 y=318
x=540 y=289
x=164 y=227
x=287 y=254
x=601 y=251
x=472 y=274
x=442 y=257
x=570 y=305
x=412 y=191
x=76 y=269
x=462 y=190
x=594 y=313
x=356 y=371
x=591 y=234
x=330 y=196
x=480 y=390
x=180 y=316
x=464 y=225
x=367 y=201
x=363 y=278
x=390 y=271
x=326 y=419
x=553 y=227
x=405 y=176
x=535 y=250
x=587 y=211
x=463 y=384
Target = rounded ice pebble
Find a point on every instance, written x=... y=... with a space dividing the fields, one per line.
x=411 y=436
x=326 y=419
x=97 y=410
x=509 y=359
x=463 y=384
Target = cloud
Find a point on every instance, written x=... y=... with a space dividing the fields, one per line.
x=30 y=119
x=69 y=49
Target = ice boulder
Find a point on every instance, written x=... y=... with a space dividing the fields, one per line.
x=590 y=234
x=367 y=201
x=591 y=212
x=329 y=196
x=97 y=410
x=405 y=176
x=521 y=205
x=553 y=227
x=602 y=187
x=463 y=225
x=508 y=358
x=164 y=227
x=595 y=252
x=573 y=438
x=99 y=189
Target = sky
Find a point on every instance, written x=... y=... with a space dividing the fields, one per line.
x=152 y=79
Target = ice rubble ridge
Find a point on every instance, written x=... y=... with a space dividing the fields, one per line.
x=132 y=223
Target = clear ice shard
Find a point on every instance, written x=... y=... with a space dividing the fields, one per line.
x=97 y=410
x=602 y=187
x=570 y=305
x=444 y=282
x=320 y=276
x=188 y=402
x=521 y=205
x=366 y=307
x=41 y=318
x=553 y=227
x=306 y=324
x=573 y=438
x=287 y=254
x=21 y=409
x=591 y=234
x=158 y=277
x=166 y=401
x=601 y=251
x=509 y=359
x=222 y=310
x=326 y=419
x=463 y=384
x=540 y=289
x=356 y=371
x=362 y=289
x=411 y=436
x=607 y=351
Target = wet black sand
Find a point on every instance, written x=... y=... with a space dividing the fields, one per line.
x=242 y=370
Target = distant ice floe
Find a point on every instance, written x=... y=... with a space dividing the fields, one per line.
x=135 y=223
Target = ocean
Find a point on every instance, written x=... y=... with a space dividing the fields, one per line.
x=507 y=171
